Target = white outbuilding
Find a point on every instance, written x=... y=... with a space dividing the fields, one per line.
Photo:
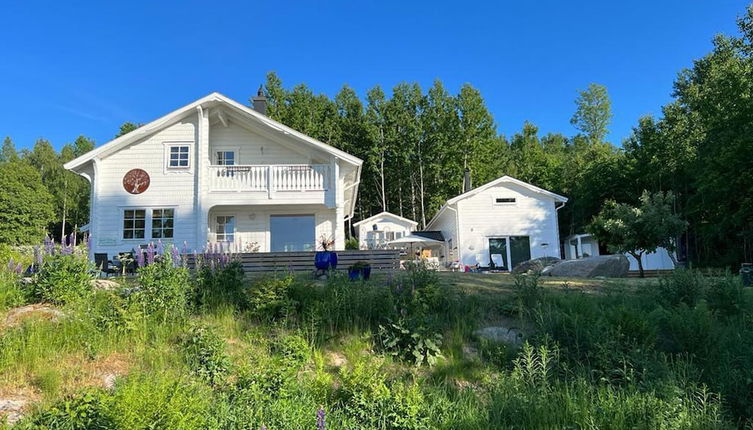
x=499 y=224
x=585 y=245
x=376 y=231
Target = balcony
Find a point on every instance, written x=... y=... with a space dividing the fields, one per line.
x=269 y=178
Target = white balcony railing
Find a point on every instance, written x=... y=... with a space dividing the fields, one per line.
x=276 y=177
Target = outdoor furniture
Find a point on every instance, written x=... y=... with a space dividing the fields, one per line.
x=103 y=264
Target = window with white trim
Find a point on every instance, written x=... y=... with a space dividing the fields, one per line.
x=225 y=228
x=226 y=158
x=178 y=156
x=163 y=221
x=134 y=223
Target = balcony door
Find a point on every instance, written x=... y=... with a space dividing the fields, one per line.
x=290 y=233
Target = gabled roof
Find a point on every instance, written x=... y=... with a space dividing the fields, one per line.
x=211 y=99
x=508 y=179
x=386 y=214
x=434 y=235
x=503 y=179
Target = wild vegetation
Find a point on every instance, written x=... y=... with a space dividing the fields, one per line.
x=170 y=349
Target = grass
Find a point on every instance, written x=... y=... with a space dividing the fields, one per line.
x=673 y=353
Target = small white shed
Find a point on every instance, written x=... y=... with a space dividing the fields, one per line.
x=585 y=245
x=375 y=231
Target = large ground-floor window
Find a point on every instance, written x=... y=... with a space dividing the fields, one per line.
x=507 y=252
x=292 y=233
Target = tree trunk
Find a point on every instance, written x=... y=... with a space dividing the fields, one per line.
x=639 y=258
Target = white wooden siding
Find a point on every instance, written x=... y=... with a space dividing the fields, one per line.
x=384 y=223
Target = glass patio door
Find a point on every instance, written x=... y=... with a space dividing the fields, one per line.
x=498 y=253
x=507 y=252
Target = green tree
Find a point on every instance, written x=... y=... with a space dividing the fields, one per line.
x=127 y=127
x=25 y=204
x=593 y=113
x=8 y=151
x=639 y=229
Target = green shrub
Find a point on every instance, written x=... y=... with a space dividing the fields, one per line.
x=84 y=411
x=528 y=292
x=219 y=285
x=682 y=286
x=164 y=289
x=292 y=349
x=409 y=340
x=11 y=292
x=268 y=298
x=352 y=243
x=204 y=352
x=63 y=278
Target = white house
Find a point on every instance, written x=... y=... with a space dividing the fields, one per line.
x=504 y=222
x=374 y=232
x=585 y=245
x=216 y=170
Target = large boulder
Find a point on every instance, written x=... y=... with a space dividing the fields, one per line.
x=607 y=266
x=535 y=266
x=16 y=316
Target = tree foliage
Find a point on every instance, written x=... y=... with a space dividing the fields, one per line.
x=25 y=204
x=639 y=229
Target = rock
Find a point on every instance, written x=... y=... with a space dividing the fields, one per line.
x=27 y=280
x=337 y=359
x=17 y=315
x=501 y=334
x=12 y=410
x=609 y=266
x=108 y=380
x=535 y=266
x=470 y=353
x=104 y=284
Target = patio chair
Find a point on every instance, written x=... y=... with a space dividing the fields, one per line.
x=104 y=265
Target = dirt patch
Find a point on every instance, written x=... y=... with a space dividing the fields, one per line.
x=336 y=359
x=14 y=403
x=17 y=316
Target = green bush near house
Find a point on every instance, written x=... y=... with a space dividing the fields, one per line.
x=63 y=279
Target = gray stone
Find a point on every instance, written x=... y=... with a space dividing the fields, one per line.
x=608 y=266
x=500 y=334
x=104 y=284
x=16 y=316
x=535 y=266
x=12 y=410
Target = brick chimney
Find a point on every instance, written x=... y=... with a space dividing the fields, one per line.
x=260 y=101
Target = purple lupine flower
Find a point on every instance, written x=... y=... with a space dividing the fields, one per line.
x=263 y=427
x=49 y=245
x=11 y=264
x=184 y=251
x=160 y=247
x=150 y=253
x=19 y=269
x=140 y=258
x=321 y=423
x=89 y=242
x=176 y=256
x=65 y=249
x=38 y=256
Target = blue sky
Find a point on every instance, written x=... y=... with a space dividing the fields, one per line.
x=70 y=68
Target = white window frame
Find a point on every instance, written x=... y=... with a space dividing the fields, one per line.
x=168 y=150
x=236 y=155
x=217 y=224
x=151 y=223
x=148 y=216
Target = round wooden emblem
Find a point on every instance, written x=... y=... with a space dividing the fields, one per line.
x=136 y=181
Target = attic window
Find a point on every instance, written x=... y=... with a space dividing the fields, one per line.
x=504 y=200
x=178 y=156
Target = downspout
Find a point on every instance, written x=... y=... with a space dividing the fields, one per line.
x=557 y=224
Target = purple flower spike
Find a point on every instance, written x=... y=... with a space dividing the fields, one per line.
x=176 y=255
x=38 y=256
x=49 y=246
x=88 y=241
x=321 y=423
x=19 y=269
x=184 y=251
x=11 y=264
x=140 y=258
x=150 y=253
x=160 y=247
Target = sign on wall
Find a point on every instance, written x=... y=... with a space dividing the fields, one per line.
x=136 y=181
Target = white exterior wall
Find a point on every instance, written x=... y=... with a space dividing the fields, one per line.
x=167 y=189
x=384 y=223
x=447 y=224
x=252 y=223
x=480 y=218
x=187 y=190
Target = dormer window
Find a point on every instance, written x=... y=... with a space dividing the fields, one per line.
x=504 y=200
